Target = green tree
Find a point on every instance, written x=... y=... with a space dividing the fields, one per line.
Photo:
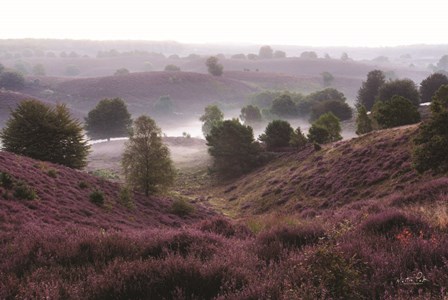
x=368 y=92
x=284 y=107
x=405 y=88
x=325 y=129
x=146 y=160
x=431 y=143
x=121 y=72
x=340 y=109
x=12 y=80
x=277 y=134
x=266 y=52
x=308 y=55
x=326 y=95
x=45 y=133
x=172 y=68
x=39 y=70
x=232 y=146
x=431 y=85
x=164 y=106
x=213 y=66
x=110 y=118
x=250 y=114
x=363 y=122
x=328 y=78
x=443 y=63
x=211 y=117
x=398 y=111
x=298 y=139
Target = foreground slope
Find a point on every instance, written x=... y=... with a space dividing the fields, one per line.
x=63 y=199
x=372 y=166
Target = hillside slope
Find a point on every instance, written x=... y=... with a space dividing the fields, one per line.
x=63 y=199
x=373 y=166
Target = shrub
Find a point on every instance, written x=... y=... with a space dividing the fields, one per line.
x=181 y=208
x=126 y=197
x=6 y=181
x=271 y=244
x=97 y=197
x=326 y=129
x=23 y=191
x=363 y=122
x=83 y=185
x=52 y=173
x=218 y=225
x=390 y=223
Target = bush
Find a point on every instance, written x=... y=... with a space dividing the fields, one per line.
x=218 y=225
x=6 y=181
x=390 y=223
x=126 y=197
x=52 y=173
x=97 y=197
x=326 y=129
x=23 y=191
x=83 y=185
x=181 y=208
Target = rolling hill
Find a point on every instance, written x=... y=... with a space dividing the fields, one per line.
x=63 y=199
x=375 y=166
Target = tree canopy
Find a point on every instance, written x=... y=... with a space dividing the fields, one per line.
x=213 y=66
x=110 y=118
x=45 y=133
x=211 y=117
x=283 y=106
x=369 y=90
x=430 y=85
x=266 y=52
x=405 y=88
x=250 y=114
x=431 y=143
x=277 y=134
x=363 y=122
x=233 y=148
x=398 y=111
x=146 y=160
x=164 y=106
x=325 y=129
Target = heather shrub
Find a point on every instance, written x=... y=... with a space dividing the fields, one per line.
x=97 y=197
x=390 y=223
x=24 y=191
x=218 y=225
x=181 y=208
x=6 y=181
x=271 y=244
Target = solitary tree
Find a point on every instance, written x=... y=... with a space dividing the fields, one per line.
x=398 y=111
x=283 y=106
x=213 y=66
x=211 y=117
x=405 y=88
x=325 y=129
x=45 y=133
x=363 y=122
x=431 y=85
x=232 y=146
x=328 y=78
x=250 y=114
x=110 y=118
x=164 y=106
x=266 y=52
x=146 y=160
x=431 y=143
x=277 y=134
x=370 y=88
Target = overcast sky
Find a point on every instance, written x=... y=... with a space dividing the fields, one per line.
x=310 y=22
